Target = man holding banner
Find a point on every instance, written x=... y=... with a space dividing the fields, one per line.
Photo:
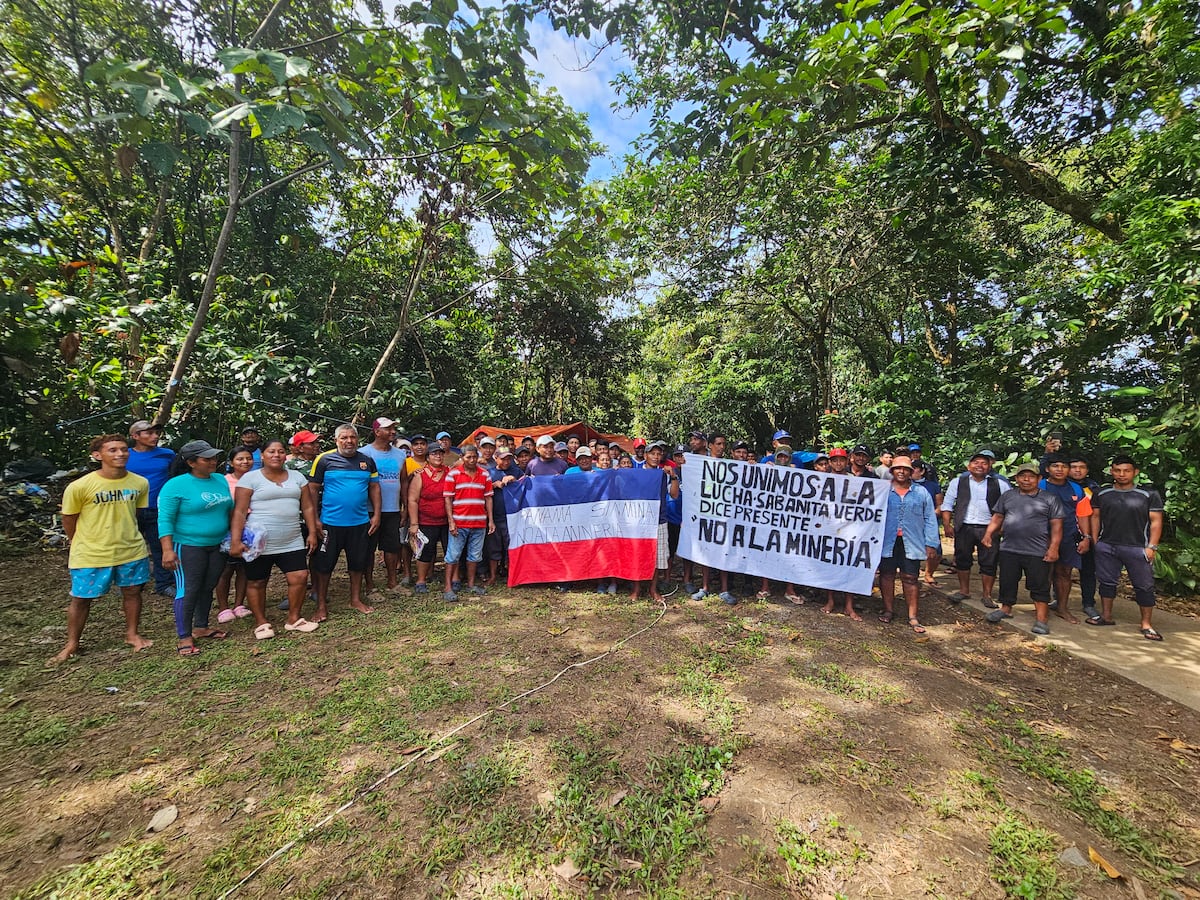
x=910 y=536
x=669 y=485
x=789 y=524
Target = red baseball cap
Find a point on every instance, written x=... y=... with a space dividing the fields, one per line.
x=639 y=442
x=304 y=437
x=838 y=451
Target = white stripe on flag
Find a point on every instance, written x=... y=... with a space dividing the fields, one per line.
x=583 y=522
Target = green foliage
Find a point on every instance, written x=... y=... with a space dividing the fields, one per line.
x=132 y=871
x=1023 y=860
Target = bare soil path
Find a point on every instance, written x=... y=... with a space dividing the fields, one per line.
x=765 y=750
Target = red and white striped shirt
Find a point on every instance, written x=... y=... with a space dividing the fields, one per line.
x=466 y=493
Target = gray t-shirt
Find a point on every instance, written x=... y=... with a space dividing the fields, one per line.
x=275 y=508
x=1026 y=528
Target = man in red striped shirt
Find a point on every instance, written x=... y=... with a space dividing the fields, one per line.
x=468 y=498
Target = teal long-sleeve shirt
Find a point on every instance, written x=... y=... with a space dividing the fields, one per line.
x=195 y=511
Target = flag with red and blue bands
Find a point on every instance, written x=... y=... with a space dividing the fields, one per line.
x=601 y=524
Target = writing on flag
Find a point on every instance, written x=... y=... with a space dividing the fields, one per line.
x=602 y=524
x=811 y=528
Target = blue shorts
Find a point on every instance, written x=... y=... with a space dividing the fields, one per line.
x=470 y=539
x=88 y=584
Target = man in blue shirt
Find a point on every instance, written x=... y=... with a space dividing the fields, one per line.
x=152 y=462
x=345 y=483
x=1074 y=539
x=393 y=484
x=910 y=535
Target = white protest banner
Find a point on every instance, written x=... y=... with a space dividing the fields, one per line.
x=809 y=528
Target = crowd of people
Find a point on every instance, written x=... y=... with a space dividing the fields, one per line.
x=197 y=521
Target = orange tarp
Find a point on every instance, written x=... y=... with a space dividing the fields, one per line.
x=558 y=432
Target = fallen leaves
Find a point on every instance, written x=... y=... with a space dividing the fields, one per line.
x=1177 y=744
x=1033 y=664
x=566 y=870
x=163 y=819
x=1109 y=869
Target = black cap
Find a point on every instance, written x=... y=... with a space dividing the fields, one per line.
x=198 y=450
x=419 y=437
x=249 y=428
x=741 y=445
x=861 y=448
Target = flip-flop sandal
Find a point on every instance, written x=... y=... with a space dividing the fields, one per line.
x=264 y=632
x=990 y=603
x=958 y=597
x=1096 y=620
x=886 y=618
x=1151 y=635
x=217 y=634
x=794 y=598
x=916 y=626
x=190 y=650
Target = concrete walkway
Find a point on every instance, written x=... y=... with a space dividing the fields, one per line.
x=1170 y=668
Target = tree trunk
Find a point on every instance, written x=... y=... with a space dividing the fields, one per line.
x=210 y=281
x=401 y=325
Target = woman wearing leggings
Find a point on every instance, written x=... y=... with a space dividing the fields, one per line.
x=193 y=519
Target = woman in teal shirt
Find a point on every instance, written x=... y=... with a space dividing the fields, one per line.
x=193 y=519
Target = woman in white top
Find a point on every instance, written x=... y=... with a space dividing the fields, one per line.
x=272 y=500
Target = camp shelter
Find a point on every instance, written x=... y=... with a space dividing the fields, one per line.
x=559 y=432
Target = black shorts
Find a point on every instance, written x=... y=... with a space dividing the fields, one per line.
x=351 y=538
x=898 y=560
x=495 y=545
x=433 y=534
x=673 y=537
x=967 y=540
x=290 y=561
x=387 y=535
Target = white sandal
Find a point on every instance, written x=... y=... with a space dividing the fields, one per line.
x=264 y=632
x=301 y=625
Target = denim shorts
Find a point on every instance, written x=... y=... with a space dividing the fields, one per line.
x=471 y=539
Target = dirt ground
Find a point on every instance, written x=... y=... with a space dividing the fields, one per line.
x=764 y=750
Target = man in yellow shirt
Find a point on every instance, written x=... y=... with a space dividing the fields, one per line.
x=99 y=513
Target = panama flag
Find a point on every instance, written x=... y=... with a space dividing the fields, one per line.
x=600 y=524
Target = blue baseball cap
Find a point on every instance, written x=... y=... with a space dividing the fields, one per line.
x=442 y=434
x=780 y=435
x=914 y=446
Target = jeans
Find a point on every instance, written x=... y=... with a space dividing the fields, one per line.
x=469 y=538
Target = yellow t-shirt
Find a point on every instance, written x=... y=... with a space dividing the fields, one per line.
x=106 y=533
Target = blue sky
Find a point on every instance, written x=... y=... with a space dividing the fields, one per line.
x=584 y=80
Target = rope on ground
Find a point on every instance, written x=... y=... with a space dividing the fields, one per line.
x=434 y=744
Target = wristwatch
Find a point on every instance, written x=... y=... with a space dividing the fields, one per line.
x=1152 y=546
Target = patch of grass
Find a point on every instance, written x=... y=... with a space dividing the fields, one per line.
x=1043 y=756
x=132 y=870
x=833 y=678
x=359 y=711
x=801 y=852
x=655 y=834
x=469 y=814
x=1023 y=861
x=24 y=728
x=245 y=847
x=430 y=693
x=830 y=849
